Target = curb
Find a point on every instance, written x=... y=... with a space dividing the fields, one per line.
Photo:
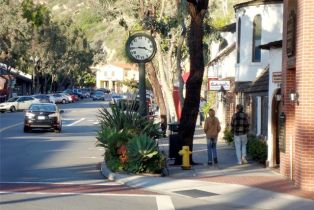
x=106 y=172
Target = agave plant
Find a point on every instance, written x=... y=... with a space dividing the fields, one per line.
x=144 y=155
x=124 y=115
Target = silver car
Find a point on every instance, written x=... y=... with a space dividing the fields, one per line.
x=18 y=103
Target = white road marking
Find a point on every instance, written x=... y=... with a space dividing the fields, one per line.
x=11 y=126
x=66 y=119
x=65 y=183
x=73 y=193
x=76 y=122
x=164 y=202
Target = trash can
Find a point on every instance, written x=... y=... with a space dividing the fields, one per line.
x=174 y=143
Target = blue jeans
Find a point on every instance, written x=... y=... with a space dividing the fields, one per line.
x=211 y=149
x=240 y=145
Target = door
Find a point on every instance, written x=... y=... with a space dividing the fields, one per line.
x=21 y=103
x=28 y=102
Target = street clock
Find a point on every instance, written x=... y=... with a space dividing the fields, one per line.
x=140 y=47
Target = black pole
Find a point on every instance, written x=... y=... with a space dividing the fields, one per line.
x=142 y=89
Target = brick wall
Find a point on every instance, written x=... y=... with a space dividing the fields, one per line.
x=300 y=117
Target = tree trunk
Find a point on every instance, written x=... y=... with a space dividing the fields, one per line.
x=152 y=76
x=178 y=61
x=197 y=10
x=166 y=85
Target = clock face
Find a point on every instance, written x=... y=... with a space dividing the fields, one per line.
x=141 y=47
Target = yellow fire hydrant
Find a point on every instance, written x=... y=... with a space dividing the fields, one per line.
x=185 y=152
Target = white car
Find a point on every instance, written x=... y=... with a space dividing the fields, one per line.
x=18 y=103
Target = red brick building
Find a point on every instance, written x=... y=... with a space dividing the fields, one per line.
x=297 y=134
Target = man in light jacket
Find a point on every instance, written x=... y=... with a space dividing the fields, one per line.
x=212 y=129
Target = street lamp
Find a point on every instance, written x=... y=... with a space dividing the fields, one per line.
x=35 y=61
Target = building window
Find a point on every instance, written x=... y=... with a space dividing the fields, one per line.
x=257 y=36
x=239 y=40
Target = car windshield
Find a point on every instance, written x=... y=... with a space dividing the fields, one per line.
x=13 y=99
x=42 y=108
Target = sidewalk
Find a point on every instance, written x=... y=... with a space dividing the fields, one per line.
x=249 y=186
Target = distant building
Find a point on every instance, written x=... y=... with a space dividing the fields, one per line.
x=111 y=76
x=13 y=81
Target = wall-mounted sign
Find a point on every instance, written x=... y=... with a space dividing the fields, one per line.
x=277 y=77
x=216 y=84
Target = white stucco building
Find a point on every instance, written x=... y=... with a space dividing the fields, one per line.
x=258 y=22
x=111 y=76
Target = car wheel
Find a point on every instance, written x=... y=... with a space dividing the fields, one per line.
x=2 y=111
x=27 y=129
x=12 y=109
x=63 y=101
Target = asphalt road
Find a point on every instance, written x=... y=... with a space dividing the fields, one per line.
x=47 y=170
x=43 y=170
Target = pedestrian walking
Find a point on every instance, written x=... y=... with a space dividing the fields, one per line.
x=240 y=129
x=212 y=129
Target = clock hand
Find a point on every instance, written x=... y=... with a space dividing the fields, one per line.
x=144 y=48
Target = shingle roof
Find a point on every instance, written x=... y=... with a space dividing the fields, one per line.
x=222 y=54
x=260 y=84
x=228 y=28
x=275 y=44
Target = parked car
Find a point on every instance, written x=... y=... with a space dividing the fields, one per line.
x=43 y=98
x=116 y=97
x=78 y=92
x=74 y=97
x=43 y=115
x=99 y=95
x=18 y=103
x=60 y=98
x=69 y=97
x=86 y=93
x=103 y=90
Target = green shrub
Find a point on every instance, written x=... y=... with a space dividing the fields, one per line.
x=144 y=155
x=128 y=139
x=228 y=135
x=123 y=116
x=257 y=149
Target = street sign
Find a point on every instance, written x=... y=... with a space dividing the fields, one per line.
x=277 y=77
x=216 y=84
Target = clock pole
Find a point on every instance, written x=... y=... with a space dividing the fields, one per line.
x=142 y=89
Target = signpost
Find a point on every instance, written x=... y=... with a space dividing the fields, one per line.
x=217 y=84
